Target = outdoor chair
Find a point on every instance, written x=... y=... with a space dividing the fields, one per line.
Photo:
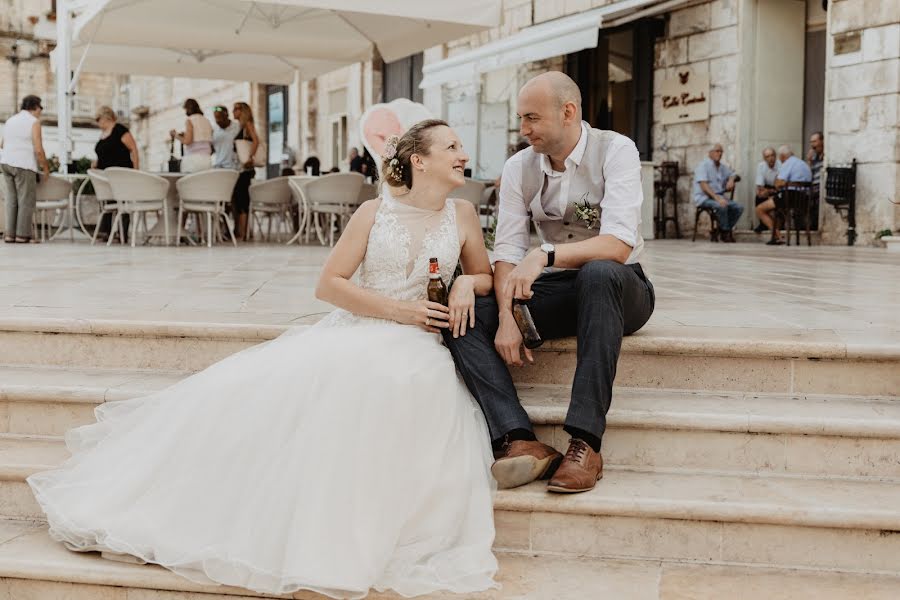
x=138 y=193
x=713 y=216
x=271 y=199
x=368 y=191
x=476 y=192
x=207 y=192
x=793 y=203
x=664 y=188
x=108 y=205
x=52 y=194
x=297 y=183
x=840 y=192
x=332 y=198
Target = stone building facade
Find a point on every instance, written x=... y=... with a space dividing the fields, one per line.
x=862 y=108
x=27 y=31
x=149 y=106
x=778 y=70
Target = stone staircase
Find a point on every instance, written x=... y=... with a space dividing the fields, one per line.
x=736 y=467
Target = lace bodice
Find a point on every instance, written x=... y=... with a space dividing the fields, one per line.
x=401 y=241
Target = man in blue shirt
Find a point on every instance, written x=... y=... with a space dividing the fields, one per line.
x=792 y=169
x=712 y=180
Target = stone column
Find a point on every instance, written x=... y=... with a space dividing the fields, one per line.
x=862 y=112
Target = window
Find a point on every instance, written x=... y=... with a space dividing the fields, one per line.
x=616 y=81
x=277 y=115
x=402 y=78
x=338 y=140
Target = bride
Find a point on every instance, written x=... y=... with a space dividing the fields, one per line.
x=338 y=459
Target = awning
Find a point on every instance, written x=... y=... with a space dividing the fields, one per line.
x=553 y=38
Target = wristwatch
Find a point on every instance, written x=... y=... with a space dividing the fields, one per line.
x=550 y=251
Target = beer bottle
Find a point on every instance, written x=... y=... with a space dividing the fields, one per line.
x=522 y=315
x=437 y=290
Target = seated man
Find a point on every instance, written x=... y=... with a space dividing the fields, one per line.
x=815 y=158
x=712 y=179
x=792 y=170
x=766 y=172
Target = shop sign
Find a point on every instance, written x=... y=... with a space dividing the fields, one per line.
x=685 y=98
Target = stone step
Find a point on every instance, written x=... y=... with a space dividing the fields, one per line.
x=47 y=400
x=34 y=566
x=853 y=437
x=710 y=519
x=646 y=514
x=699 y=358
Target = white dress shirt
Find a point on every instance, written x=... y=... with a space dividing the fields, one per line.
x=621 y=203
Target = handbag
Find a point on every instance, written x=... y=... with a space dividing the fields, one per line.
x=242 y=147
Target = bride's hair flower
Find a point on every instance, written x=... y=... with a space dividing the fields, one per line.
x=390 y=147
x=396 y=170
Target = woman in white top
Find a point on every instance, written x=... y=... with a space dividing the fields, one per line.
x=23 y=150
x=196 y=138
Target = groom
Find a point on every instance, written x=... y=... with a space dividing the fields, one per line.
x=582 y=189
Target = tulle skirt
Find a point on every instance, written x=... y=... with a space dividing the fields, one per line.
x=337 y=460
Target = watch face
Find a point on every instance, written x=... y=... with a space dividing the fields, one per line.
x=547 y=247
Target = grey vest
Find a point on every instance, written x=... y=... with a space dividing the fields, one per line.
x=587 y=184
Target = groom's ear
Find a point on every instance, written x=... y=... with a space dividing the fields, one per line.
x=570 y=112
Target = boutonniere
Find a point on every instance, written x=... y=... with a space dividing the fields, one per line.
x=586 y=213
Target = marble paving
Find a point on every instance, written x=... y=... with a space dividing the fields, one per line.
x=765 y=292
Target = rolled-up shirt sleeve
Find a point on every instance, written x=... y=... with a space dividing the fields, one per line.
x=511 y=240
x=623 y=194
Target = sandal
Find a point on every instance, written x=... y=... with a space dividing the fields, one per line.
x=27 y=240
x=9 y=240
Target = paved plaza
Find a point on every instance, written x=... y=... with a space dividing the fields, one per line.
x=702 y=289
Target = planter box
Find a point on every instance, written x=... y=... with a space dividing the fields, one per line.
x=892 y=242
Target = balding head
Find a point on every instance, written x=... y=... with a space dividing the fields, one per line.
x=784 y=152
x=550 y=108
x=556 y=85
x=715 y=153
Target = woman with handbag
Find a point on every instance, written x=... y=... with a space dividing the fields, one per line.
x=247 y=145
x=196 y=138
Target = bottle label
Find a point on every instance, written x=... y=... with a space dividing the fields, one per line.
x=433 y=267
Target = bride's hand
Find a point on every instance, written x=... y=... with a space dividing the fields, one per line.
x=462 y=305
x=430 y=316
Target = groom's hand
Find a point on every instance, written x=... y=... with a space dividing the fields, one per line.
x=518 y=283
x=508 y=341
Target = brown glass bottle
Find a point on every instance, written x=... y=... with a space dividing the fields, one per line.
x=530 y=336
x=437 y=290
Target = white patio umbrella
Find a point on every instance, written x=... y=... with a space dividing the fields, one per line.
x=348 y=30
x=194 y=38
x=196 y=64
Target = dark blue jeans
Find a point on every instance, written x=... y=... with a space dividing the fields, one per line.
x=728 y=215
x=599 y=303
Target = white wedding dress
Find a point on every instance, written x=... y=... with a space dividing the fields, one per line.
x=341 y=458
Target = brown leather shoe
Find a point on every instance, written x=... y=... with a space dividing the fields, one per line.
x=579 y=471
x=524 y=461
